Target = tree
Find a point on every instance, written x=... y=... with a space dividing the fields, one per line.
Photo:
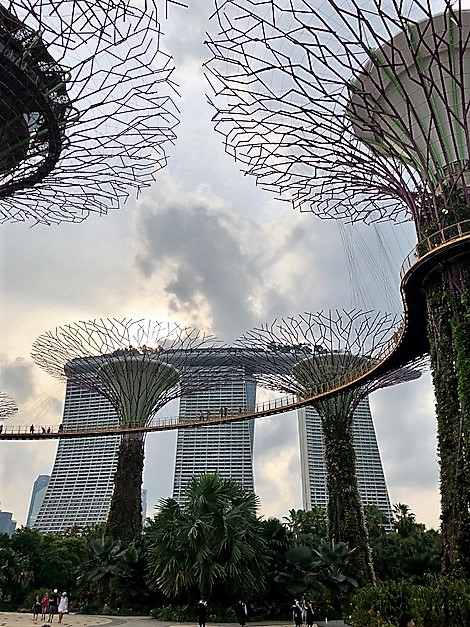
x=103 y=565
x=214 y=538
x=404 y=521
x=307 y=527
x=332 y=565
x=377 y=522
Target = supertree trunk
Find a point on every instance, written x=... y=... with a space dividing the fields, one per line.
x=125 y=514
x=346 y=521
x=139 y=366
x=448 y=327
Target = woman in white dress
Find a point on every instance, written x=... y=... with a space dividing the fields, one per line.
x=63 y=606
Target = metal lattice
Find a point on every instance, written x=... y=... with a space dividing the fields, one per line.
x=348 y=109
x=304 y=352
x=138 y=365
x=86 y=106
x=8 y=406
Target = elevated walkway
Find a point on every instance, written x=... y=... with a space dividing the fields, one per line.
x=407 y=344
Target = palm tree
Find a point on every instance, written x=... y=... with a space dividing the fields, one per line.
x=307 y=527
x=404 y=521
x=333 y=567
x=213 y=538
x=103 y=565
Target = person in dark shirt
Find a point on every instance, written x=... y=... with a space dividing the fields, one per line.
x=241 y=613
x=53 y=603
x=202 y=612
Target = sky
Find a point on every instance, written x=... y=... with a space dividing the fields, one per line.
x=204 y=246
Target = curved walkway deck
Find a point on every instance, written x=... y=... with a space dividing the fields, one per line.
x=408 y=343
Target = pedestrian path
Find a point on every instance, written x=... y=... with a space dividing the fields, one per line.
x=15 y=619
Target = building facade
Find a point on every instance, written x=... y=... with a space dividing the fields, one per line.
x=370 y=474
x=226 y=449
x=7 y=524
x=82 y=480
x=37 y=497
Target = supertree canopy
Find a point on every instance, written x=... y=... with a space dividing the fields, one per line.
x=139 y=366
x=8 y=406
x=348 y=109
x=361 y=111
x=85 y=106
x=334 y=347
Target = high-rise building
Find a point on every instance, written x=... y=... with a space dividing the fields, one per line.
x=37 y=497
x=370 y=474
x=226 y=449
x=82 y=480
x=7 y=524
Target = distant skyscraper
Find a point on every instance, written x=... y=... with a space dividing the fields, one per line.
x=81 y=485
x=7 y=524
x=226 y=449
x=37 y=497
x=370 y=475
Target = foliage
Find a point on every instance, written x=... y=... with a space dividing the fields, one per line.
x=376 y=521
x=220 y=526
x=447 y=298
x=125 y=514
x=30 y=560
x=412 y=557
x=180 y=613
x=214 y=539
x=278 y=539
x=187 y=613
x=404 y=521
x=346 y=521
x=307 y=527
x=112 y=576
x=449 y=339
x=442 y=602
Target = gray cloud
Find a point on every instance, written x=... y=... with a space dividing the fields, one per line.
x=208 y=263
x=406 y=431
x=17 y=378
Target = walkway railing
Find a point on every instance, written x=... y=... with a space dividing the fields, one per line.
x=437 y=241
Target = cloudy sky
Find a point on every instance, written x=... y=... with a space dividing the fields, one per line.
x=204 y=246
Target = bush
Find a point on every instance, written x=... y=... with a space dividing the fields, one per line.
x=443 y=602
x=179 y=613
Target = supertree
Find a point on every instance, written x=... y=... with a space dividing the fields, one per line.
x=86 y=106
x=361 y=112
x=139 y=366
x=8 y=406
x=303 y=353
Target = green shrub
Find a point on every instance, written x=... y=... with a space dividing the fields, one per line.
x=443 y=602
x=179 y=613
x=187 y=613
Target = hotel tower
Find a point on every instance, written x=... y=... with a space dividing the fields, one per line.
x=370 y=474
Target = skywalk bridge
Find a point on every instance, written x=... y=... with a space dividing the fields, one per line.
x=407 y=344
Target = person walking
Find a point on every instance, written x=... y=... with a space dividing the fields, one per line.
x=309 y=619
x=241 y=613
x=297 y=613
x=53 y=603
x=44 y=606
x=36 y=607
x=63 y=606
x=202 y=612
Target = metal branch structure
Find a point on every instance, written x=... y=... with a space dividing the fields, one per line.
x=308 y=350
x=86 y=106
x=8 y=407
x=139 y=366
x=350 y=111
x=361 y=111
